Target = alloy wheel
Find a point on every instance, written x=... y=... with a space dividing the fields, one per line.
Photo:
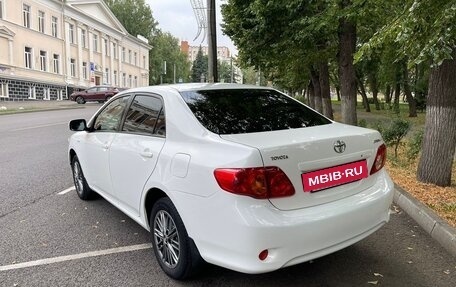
x=78 y=177
x=166 y=239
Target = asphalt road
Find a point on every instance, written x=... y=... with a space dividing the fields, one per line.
x=93 y=244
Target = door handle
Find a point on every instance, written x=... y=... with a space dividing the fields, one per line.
x=147 y=154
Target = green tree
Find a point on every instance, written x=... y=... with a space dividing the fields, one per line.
x=199 y=68
x=135 y=16
x=422 y=33
x=284 y=42
x=166 y=49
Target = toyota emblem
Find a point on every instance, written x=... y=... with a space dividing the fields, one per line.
x=339 y=146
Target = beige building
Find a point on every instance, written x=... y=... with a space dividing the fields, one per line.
x=223 y=53
x=50 y=47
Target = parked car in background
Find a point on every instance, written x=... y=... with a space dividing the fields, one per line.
x=243 y=177
x=95 y=93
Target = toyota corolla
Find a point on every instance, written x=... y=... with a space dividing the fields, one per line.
x=243 y=177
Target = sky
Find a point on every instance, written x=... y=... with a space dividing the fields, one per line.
x=178 y=18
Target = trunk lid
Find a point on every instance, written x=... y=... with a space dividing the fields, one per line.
x=304 y=150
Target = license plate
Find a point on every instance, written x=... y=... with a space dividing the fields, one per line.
x=333 y=176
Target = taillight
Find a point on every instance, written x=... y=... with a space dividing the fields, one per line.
x=380 y=159
x=258 y=182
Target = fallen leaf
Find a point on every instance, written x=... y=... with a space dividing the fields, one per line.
x=447 y=272
x=372 y=282
x=409 y=248
x=410 y=262
x=378 y=275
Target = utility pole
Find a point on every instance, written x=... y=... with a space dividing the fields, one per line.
x=212 y=43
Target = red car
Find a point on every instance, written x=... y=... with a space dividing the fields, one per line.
x=95 y=93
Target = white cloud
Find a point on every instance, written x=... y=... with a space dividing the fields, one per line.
x=178 y=18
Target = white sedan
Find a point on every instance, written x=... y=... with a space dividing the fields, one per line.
x=243 y=177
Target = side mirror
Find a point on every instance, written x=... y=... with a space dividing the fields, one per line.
x=78 y=125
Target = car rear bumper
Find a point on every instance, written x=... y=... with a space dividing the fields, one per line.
x=239 y=228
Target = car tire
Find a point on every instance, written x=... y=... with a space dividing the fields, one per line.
x=80 y=100
x=108 y=98
x=175 y=252
x=82 y=188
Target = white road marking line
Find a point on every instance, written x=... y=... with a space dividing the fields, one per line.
x=66 y=190
x=41 y=126
x=76 y=256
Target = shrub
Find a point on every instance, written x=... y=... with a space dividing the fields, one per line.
x=395 y=132
x=362 y=123
x=414 y=145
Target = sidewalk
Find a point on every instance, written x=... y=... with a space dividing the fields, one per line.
x=9 y=107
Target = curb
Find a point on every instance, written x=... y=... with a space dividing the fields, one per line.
x=435 y=226
x=38 y=110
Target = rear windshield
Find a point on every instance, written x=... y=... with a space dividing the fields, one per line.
x=249 y=111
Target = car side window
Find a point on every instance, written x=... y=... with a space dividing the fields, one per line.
x=145 y=116
x=109 y=118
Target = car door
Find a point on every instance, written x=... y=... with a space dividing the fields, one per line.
x=98 y=142
x=135 y=150
x=101 y=93
x=91 y=93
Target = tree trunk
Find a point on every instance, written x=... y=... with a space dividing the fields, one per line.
x=311 y=95
x=373 y=83
x=397 y=89
x=439 y=141
x=388 y=96
x=397 y=94
x=338 y=93
x=325 y=90
x=408 y=93
x=362 y=91
x=317 y=91
x=347 y=75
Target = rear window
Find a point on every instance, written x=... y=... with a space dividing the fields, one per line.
x=249 y=111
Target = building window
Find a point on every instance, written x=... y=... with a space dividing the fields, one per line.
x=72 y=67
x=95 y=43
x=28 y=57
x=3 y=89
x=54 y=26
x=124 y=79
x=144 y=62
x=135 y=82
x=55 y=63
x=46 y=94
x=32 y=93
x=59 y=95
x=129 y=81
x=136 y=59
x=83 y=38
x=129 y=56
x=71 y=33
x=114 y=80
x=84 y=70
x=43 y=60
x=106 y=47
x=41 y=21
x=114 y=50
x=123 y=54
x=26 y=15
x=1 y=15
x=106 y=76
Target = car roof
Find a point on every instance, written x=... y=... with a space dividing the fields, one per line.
x=197 y=87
